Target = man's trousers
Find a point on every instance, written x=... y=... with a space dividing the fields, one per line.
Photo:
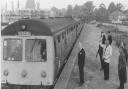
x=106 y=71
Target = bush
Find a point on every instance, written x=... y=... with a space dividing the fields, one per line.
x=99 y=25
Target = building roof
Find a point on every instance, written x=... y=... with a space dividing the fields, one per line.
x=48 y=26
x=115 y=14
x=126 y=12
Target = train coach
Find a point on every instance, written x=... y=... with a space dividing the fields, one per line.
x=34 y=50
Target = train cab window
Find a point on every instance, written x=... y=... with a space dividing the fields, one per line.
x=35 y=50
x=12 y=49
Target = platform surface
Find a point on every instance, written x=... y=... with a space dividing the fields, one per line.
x=94 y=78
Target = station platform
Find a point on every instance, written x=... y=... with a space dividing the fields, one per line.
x=94 y=78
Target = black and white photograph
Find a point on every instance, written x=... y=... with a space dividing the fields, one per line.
x=64 y=44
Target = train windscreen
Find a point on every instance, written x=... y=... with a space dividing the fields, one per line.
x=35 y=50
x=12 y=49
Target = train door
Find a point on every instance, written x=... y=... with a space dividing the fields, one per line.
x=56 y=58
x=57 y=43
x=75 y=32
x=66 y=41
x=65 y=44
x=69 y=39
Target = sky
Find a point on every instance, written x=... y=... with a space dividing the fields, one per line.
x=47 y=4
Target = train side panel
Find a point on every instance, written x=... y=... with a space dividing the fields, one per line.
x=63 y=42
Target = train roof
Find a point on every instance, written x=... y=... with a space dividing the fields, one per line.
x=48 y=26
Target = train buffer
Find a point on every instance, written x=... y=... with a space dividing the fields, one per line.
x=62 y=82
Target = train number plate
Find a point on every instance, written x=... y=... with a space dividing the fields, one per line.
x=24 y=33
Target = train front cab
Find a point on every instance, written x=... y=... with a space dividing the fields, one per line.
x=27 y=60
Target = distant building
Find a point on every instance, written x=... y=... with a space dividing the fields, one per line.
x=116 y=17
x=10 y=16
x=32 y=10
x=126 y=14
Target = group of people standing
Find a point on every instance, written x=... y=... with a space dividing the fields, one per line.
x=105 y=54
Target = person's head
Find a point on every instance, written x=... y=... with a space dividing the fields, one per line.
x=118 y=43
x=102 y=34
x=108 y=32
x=123 y=44
x=80 y=46
x=121 y=50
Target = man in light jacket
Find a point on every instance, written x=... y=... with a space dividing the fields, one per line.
x=107 y=57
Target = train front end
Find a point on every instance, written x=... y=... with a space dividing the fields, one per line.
x=27 y=59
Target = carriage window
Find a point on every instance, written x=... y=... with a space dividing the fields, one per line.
x=59 y=38
x=12 y=49
x=67 y=31
x=35 y=50
x=63 y=35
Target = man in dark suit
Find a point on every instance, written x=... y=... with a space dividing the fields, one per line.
x=81 y=60
x=109 y=37
x=125 y=50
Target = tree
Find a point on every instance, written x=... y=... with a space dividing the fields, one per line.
x=101 y=14
x=88 y=8
x=111 y=7
x=63 y=11
x=96 y=17
x=119 y=7
x=102 y=5
x=56 y=11
x=69 y=11
x=76 y=11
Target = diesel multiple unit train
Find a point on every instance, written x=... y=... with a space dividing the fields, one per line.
x=34 y=50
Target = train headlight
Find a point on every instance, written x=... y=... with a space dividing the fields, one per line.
x=24 y=73
x=43 y=74
x=6 y=73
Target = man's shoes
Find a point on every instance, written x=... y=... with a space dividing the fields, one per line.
x=106 y=78
x=120 y=87
x=80 y=84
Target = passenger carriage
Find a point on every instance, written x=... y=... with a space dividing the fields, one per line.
x=34 y=50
